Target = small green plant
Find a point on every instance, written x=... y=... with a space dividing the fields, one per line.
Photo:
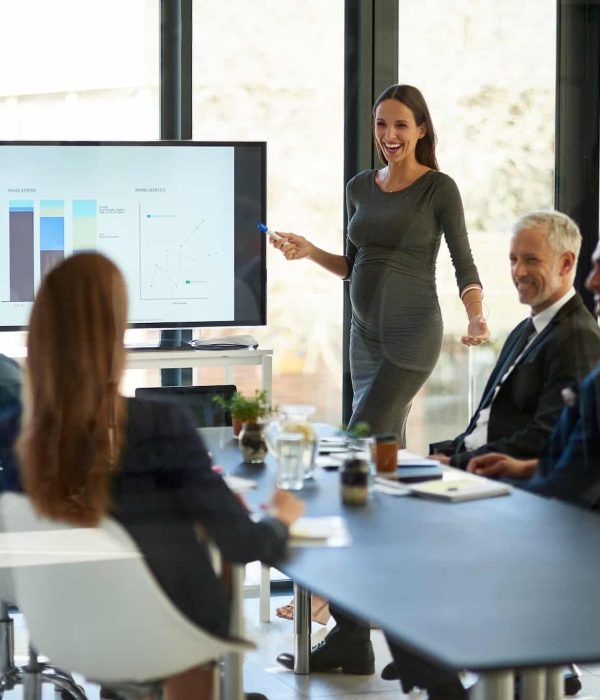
x=356 y=434
x=359 y=430
x=245 y=408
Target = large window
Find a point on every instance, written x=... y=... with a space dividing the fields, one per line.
x=487 y=71
x=271 y=70
x=77 y=71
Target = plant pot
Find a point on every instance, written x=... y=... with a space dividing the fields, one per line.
x=237 y=424
x=252 y=443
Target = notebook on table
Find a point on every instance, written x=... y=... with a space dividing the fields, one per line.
x=465 y=488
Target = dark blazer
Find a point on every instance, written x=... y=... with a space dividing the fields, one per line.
x=528 y=403
x=10 y=414
x=569 y=467
x=167 y=497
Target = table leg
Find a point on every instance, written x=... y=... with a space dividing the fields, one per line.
x=233 y=676
x=267 y=375
x=301 y=630
x=229 y=374
x=264 y=593
x=533 y=684
x=495 y=685
x=554 y=683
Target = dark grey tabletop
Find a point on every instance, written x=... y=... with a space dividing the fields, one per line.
x=496 y=583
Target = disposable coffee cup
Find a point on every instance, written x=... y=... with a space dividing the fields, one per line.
x=385 y=452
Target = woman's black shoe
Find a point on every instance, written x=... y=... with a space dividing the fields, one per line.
x=390 y=672
x=449 y=691
x=332 y=654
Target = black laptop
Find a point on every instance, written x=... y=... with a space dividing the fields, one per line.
x=198 y=400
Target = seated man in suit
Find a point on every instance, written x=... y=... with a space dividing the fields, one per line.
x=569 y=465
x=569 y=469
x=556 y=346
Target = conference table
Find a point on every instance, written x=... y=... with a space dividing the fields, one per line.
x=492 y=585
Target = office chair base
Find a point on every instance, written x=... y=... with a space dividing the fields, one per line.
x=36 y=673
x=10 y=680
x=132 y=691
x=572 y=680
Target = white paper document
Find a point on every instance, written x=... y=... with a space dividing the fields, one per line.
x=405 y=457
x=465 y=488
x=330 y=531
x=390 y=487
x=239 y=485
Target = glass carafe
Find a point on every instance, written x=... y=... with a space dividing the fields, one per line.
x=293 y=418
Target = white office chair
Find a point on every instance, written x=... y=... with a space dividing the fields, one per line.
x=92 y=605
x=29 y=675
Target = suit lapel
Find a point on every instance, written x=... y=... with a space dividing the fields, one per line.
x=566 y=310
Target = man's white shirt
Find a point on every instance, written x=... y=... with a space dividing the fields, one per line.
x=479 y=435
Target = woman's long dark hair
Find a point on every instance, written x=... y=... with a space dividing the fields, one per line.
x=414 y=100
x=74 y=420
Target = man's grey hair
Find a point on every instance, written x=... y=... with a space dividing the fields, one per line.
x=562 y=232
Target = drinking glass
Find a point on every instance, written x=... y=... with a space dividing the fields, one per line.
x=290 y=463
x=293 y=418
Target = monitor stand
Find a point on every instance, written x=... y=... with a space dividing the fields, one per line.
x=155 y=346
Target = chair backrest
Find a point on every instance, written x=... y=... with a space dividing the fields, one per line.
x=197 y=399
x=92 y=605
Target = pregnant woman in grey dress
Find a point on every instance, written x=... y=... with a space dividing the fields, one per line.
x=396 y=218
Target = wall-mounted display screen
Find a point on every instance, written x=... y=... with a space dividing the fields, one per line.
x=178 y=218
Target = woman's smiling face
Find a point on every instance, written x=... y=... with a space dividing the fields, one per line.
x=396 y=131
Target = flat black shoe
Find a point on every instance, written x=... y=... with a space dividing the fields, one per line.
x=450 y=691
x=355 y=658
x=390 y=672
x=572 y=683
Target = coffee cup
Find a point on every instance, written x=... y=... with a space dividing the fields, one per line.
x=385 y=452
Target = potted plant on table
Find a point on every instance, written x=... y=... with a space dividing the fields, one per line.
x=246 y=414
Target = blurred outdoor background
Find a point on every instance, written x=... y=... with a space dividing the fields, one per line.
x=273 y=70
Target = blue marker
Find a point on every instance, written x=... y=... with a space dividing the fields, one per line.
x=267 y=231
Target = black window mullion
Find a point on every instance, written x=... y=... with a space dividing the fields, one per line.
x=175 y=123
x=370 y=65
x=577 y=123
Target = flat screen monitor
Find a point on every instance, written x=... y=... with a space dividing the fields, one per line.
x=178 y=217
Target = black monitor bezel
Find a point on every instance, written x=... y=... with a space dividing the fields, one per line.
x=262 y=145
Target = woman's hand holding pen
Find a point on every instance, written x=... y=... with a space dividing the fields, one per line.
x=477 y=332
x=294 y=247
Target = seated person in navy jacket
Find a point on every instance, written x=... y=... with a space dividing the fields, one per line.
x=85 y=451
x=569 y=466
x=558 y=345
x=10 y=416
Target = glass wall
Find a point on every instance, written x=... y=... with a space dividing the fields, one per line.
x=487 y=71
x=273 y=71
x=78 y=71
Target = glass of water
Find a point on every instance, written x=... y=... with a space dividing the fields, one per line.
x=290 y=461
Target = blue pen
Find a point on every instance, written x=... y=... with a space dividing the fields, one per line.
x=275 y=236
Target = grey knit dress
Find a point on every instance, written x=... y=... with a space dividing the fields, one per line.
x=396 y=331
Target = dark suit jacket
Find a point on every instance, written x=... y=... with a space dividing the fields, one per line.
x=569 y=467
x=10 y=414
x=528 y=403
x=164 y=489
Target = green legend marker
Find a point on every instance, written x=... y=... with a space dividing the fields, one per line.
x=188 y=281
